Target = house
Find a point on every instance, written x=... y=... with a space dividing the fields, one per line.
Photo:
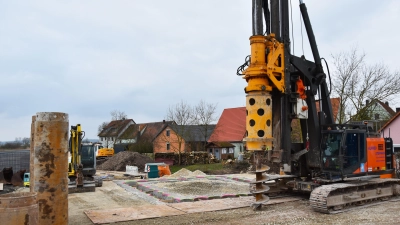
x=375 y=110
x=111 y=133
x=140 y=137
x=231 y=128
x=221 y=150
x=391 y=129
x=182 y=138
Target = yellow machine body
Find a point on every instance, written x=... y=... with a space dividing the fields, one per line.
x=104 y=152
x=265 y=73
x=74 y=159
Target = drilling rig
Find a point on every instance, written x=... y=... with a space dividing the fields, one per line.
x=340 y=165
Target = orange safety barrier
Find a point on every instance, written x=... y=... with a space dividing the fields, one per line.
x=163 y=170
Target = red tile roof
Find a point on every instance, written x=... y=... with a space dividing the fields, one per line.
x=114 y=128
x=149 y=130
x=231 y=126
x=335 y=102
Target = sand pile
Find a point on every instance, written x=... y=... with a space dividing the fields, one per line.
x=122 y=159
x=187 y=173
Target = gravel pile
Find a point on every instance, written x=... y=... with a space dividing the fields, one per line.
x=122 y=159
x=198 y=173
x=204 y=187
x=187 y=173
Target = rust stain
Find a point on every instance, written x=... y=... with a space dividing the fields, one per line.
x=45 y=208
x=26 y=222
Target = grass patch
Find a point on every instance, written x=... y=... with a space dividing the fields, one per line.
x=206 y=168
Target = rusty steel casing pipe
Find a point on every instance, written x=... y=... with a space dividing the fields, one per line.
x=50 y=177
x=32 y=155
x=19 y=208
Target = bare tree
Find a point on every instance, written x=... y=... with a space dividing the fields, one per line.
x=204 y=116
x=19 y=143
x=348 y=65
x=26 y=142
x=118 y=115
x=355 y=82
x=102 y=126
x=182 y=115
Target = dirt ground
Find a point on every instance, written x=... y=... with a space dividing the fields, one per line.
x=112 y=196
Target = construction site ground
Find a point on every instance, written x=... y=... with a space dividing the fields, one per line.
x=118 y=203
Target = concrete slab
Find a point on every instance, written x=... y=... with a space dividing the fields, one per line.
x=173 y=209
x=134 y=213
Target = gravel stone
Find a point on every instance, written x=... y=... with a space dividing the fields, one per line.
x=186 y=173
x=204 y=187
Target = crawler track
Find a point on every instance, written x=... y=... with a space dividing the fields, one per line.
x=335 y=198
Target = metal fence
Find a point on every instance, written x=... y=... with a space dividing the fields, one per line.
x=17 y=159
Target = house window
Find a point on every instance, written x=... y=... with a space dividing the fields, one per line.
x=230 y=150
x=210 y=150
x=224 y=151
x=168 y=131
x=168 y=146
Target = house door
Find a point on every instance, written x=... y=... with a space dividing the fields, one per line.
x=217 y=154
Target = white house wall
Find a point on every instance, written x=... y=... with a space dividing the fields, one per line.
x=108 y=142
x=237 y=148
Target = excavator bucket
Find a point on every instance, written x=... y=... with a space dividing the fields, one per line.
x=17 y=178
x=7 y=174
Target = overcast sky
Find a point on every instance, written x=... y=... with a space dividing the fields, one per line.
x=87 y=58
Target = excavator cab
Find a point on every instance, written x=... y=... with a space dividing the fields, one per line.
x=331 y=145
x=343 y=153
x=88 y=160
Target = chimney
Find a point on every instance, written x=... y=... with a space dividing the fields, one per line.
x=366 y=102
x=387 y=103
x=397 y=110
x=163 y=121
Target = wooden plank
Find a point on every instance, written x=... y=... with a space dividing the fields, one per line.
x=134 y=213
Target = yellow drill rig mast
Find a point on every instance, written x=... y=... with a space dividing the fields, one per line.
x=280 y=88
x=331 y=158
x=264 y=75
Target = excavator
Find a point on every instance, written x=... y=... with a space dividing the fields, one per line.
x=103 y=153
x=341 y=166
x=81 y=163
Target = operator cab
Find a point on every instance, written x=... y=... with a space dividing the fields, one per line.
x=88 y=159
x=343 y=152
